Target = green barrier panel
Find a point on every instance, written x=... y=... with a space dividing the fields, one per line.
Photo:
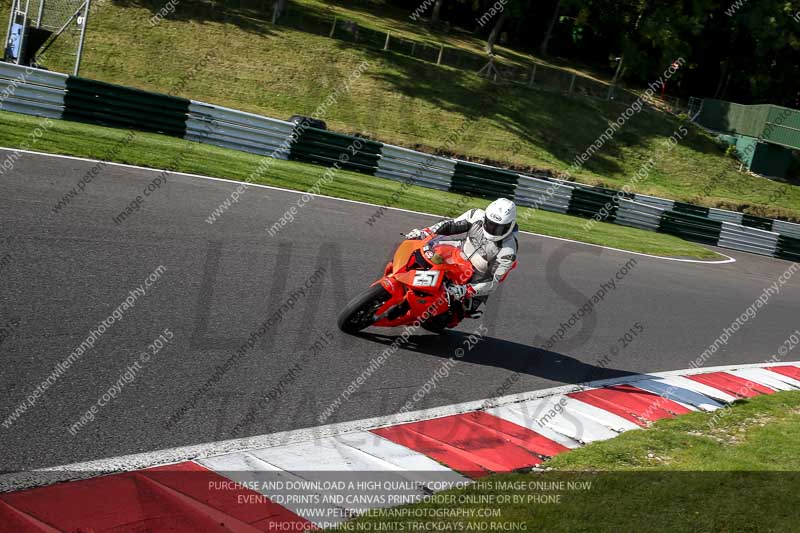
x=690 y=227
x=590 y=204
x=788 y=248
x=783 y=126
x=605 y=190
x=106 y=104
x=484 y=182
x=127 y=94
x=753 y=221
x=328 y=148
x=120 y=116
x=690 y=209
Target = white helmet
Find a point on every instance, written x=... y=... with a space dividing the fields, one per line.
x=500 y=219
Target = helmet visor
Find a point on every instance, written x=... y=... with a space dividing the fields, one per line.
x=495 y=229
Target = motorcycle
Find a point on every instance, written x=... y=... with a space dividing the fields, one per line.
x=413 y=289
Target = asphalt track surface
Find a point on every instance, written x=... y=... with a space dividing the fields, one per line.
x=65 y=272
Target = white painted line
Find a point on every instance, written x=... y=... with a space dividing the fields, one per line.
x=20 y=480
x=727 y=259
x=271 y=481
x=513 y=414
x=560 y=415
x=357 y=457
x=765 y=377
x=786 y=379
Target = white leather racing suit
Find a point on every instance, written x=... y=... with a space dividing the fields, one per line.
x=492 y=260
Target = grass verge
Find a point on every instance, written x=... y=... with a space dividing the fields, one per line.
x=280 y=70
x=734 y=470
x=158 y=151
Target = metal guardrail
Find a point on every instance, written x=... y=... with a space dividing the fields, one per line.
x=757 y=241
x=415 y=168
x=238 y=130
x=723 y=215
x=655 y=201
x=543 y=194
x=786 y=228
x=638 y=215
x=32 y=91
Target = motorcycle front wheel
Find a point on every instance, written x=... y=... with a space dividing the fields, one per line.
x=359 y=313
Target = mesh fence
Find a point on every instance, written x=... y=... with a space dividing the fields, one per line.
x=56 y=15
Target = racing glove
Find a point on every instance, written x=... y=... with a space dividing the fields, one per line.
x=461 y=292
x=416 y=234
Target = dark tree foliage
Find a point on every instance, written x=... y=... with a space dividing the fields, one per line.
x=742 y=50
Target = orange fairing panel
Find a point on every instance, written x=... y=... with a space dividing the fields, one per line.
x=403 y=254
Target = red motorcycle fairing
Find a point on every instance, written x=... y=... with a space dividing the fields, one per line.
x=420 y=290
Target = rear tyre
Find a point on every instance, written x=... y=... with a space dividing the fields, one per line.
x=359 y=313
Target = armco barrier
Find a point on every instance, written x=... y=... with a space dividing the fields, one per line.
x=786 y=228
x=661 y=203
x=690 y=209
x=747 y=239
x=483 y=181
x=31 y=91
x=590 y=204
x=543 y=194
x=788 y=248
x=638 y=215
x=415 y=168
x=753 y=221
x=324 y=147
x=111 y=105
x=237 y=130
x=690 y=227
x=724 y=216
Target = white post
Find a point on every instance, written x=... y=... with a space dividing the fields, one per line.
x=386 y=44
x=88 y=5
x=333 y=28
x=441 y=52
x=533 y=75
x=571 y=83
x=39 y=16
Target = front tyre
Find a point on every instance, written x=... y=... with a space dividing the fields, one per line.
x=359 y=313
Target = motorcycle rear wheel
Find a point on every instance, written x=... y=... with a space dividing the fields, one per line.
x=359 y=313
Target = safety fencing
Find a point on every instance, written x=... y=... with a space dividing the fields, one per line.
x=105 y=104
x=483 y=181
x=31 y=91
x=746 y=239
x=415 y=168
x=327 y=148
x=549 y=195
x=661 y=203
x=237 y=130
x=43 y=93
x=788 y=248
x=639 y=215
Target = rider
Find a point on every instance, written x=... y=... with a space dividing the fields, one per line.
x=490 y=244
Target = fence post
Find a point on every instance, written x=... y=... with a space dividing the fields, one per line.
x=333 y=28
x=571 y=83
x=386 y=44
x=533 y=76
x=441 y=51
